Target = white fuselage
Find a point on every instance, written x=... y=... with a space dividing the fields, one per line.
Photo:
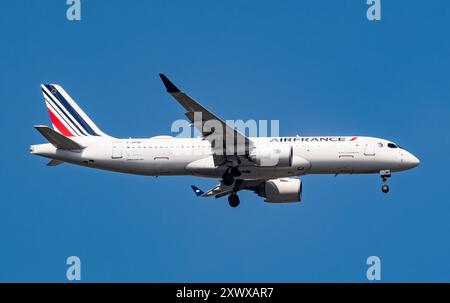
x=164 y=156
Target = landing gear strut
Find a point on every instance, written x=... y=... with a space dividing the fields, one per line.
x=384 y=175
x=228 y=176
x=233 y=200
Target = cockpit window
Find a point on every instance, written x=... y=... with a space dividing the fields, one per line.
x=380 y=145
x=392 y=145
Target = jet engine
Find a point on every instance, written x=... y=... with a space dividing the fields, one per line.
x=283 y=190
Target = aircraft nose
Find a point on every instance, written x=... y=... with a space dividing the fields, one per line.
x=410 y=161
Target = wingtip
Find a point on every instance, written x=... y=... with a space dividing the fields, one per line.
x=171 y=88
x=198 y=192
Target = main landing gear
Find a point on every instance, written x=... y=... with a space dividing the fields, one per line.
x=228 y=179
x=384 y=175
x=233 y=198
x=229 y=175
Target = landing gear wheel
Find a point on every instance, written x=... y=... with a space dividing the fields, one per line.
x=233 y=200
x=385 y=174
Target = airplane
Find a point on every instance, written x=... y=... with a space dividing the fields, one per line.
x=268 y=166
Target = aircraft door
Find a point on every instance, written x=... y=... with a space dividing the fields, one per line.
x=370 y=149
x=116 y=150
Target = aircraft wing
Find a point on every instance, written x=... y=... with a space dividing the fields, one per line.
x=221 y=189
x=217 y=191
x=228 y=141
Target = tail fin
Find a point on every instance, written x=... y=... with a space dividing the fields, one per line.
x=66 y=116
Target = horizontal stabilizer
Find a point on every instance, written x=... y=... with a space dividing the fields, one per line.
x=55 y=162
x=58 y=140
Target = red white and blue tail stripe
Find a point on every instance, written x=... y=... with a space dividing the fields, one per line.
x=66 y=116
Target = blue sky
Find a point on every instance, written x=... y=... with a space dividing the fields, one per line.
x=320 y=67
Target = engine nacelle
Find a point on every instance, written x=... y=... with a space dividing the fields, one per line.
x=272 y=155
x=283 y=190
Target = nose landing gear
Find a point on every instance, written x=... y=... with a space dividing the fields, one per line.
x=384 y=175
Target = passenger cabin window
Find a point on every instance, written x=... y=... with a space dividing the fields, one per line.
x=392 y=145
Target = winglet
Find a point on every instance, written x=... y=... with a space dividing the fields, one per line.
x=171 y=88
x=198 y=192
